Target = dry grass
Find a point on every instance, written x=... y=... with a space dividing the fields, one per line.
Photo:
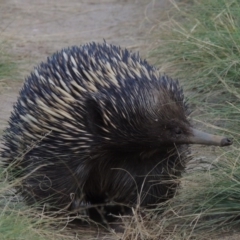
x=200 y=44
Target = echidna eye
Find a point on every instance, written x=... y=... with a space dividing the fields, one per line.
x=178 y=131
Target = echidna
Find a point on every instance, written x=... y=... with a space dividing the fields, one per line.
x=96 y=124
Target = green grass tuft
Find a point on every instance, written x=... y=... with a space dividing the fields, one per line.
x=7 y=66
x=200 y=44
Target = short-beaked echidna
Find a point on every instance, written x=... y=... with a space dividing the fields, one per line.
x=96 y=124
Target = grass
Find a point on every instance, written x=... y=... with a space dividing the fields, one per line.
x=15 y=222
x=200 y=44
x=18 y=221
x=209 y=203
x=7 y=66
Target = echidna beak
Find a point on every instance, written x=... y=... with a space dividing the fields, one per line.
x=226 y=142
x=199 y=137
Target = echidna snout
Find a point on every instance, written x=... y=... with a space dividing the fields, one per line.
x=199 y=137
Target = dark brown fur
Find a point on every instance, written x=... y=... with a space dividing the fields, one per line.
x=97 y=125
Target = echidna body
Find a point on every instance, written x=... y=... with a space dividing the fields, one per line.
x=96 y=124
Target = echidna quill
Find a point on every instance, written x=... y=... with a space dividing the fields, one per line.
x=95 y=124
